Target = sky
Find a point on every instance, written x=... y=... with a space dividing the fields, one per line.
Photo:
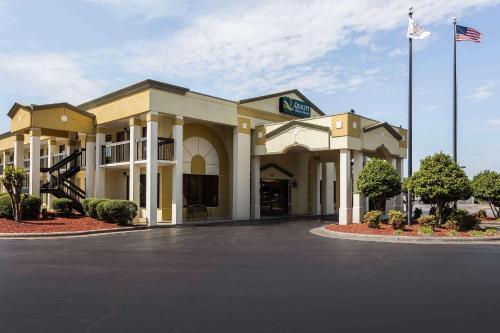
x=342 y=54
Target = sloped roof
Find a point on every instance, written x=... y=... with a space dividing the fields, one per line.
x=385 y=125
x=298 y=123
x=282 y=93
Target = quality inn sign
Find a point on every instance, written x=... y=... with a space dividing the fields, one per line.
x=294 y=107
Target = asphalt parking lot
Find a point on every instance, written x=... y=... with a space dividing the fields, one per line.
x=269 y=277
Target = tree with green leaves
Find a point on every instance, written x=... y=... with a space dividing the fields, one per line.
x=13 y=181
x=440 y=182
x=379 y=181
x=486 y=187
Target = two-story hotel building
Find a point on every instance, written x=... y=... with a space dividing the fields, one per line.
x=176 y=153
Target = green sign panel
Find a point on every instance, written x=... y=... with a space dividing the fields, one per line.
x=294 y=107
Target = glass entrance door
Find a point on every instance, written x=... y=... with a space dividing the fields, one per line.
x=274 y=196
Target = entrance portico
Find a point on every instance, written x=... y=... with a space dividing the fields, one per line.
x=321 y=159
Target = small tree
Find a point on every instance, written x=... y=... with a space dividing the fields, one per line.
x=486 y=187
x=379 y=181
x=440 y=182
x=13 y=180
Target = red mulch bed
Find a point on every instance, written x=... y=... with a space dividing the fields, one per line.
x=387 y=230
x=54 y=224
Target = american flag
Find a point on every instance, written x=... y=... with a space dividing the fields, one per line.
x=466 y=34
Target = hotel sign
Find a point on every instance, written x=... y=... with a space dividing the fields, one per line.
x=294 y=107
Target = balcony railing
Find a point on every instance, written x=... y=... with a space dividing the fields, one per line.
x=165 y=149
x=56 y=158
x=118 y=152
x=44 y=162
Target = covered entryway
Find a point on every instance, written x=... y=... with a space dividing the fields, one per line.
x=274 y=197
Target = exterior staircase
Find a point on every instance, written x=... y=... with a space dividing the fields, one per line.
x=60 y=184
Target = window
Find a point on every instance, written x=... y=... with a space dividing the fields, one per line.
x=62 y=148
x=201 y=190
x=144 y=132
x=120 y=136
x=108 y=138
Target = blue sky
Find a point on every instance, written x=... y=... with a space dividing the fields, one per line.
x=341 y=54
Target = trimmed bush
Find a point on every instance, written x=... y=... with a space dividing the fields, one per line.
x=425 y=230
x=101 y=211
x=92 y=210
x=397 y=219
x=428 y=221
x=119 y=211
x=86 y=205
x=6 y=207
x=481 y=214
x=62 y=206
x=417 y=212
x=30 y=207
x=461 y=220
x=372 y=218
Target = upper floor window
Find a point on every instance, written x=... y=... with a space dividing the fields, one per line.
x=120 y=136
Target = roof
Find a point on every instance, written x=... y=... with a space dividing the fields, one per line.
x=385 y=125
x=5 y=135
x=133 y=89
x=293 y=91
x=292 y=123
x=35 y=107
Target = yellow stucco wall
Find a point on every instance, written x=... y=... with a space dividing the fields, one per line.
x=122 y=108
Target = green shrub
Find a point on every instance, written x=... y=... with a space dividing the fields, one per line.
x=62 y=206
x=461 y=220
x=417 y=212
x=477 y=233
x=490 y=232
x=425 y=230
x=427 y=221
x=6 y=207
x=481 y=214
x=397 y=219
x=372 y=218
x=453 y=233
x=101 y=211
x=92 y=210
x=398 y=232
x=119 y=211
x=30 y=207
x=85 y=204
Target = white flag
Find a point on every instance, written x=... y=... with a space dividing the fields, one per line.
x=415 y=31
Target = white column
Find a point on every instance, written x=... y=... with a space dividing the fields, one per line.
x=241 y=171
x=5 y=156
x=134 y=173
x=51 y=150
x=345 y=210
x=327 y=175
x=34 y=174
x=316 y=187
x=255 y=194
x=19 y=151
x=90 y=142
x=177 y=194
x=152 y=169
x=358 y=199
x=100 y=172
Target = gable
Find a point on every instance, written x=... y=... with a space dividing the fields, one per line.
x=271 y=104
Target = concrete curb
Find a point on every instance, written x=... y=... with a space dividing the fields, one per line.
x=323 y=232
x=69 y=234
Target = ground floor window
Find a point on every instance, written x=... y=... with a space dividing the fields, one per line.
x=201 y=190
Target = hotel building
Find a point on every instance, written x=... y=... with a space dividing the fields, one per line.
x=183 y=155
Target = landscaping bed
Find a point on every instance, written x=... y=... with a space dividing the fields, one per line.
x=55 y=225
x=387 y=230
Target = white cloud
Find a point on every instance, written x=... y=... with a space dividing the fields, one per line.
x=56 y=77
x=494 y=122
x=482 y=92
x=274 y=40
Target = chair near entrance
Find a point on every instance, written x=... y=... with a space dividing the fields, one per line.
x=198 y=209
